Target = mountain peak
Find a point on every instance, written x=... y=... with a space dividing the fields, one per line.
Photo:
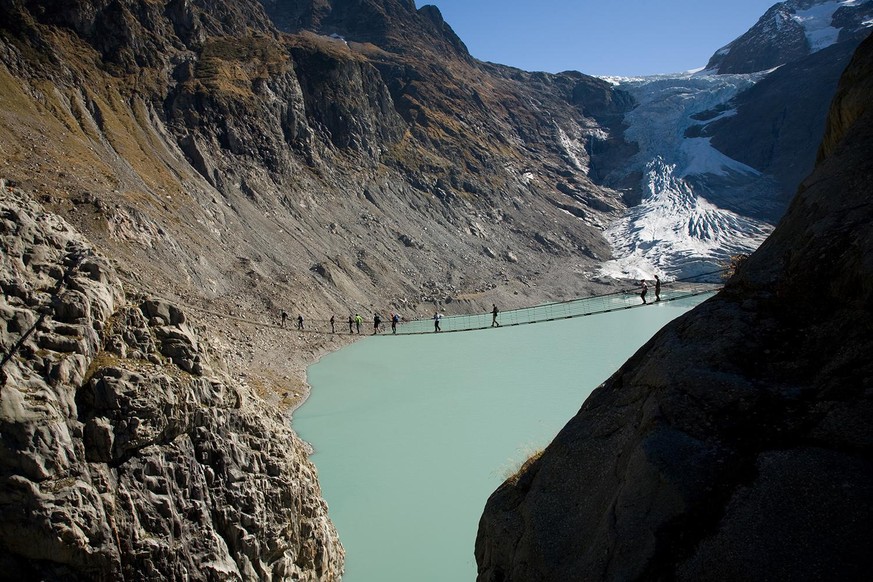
x=791 y=30
x=393 y=25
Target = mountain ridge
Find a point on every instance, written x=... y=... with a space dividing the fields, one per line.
x=792 y=30
x=317 y=142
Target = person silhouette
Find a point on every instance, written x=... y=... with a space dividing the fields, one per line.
x=494 y=312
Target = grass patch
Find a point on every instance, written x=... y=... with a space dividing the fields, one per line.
x=513 y=476
x=231 y=64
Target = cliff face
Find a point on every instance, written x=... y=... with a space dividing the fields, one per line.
x=736 y=444
x=128 y=451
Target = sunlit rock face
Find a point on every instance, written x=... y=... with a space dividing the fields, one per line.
x=736 y=444
x=128 y=452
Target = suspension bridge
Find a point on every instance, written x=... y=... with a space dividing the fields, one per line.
x=579 y=307
x=628 y=298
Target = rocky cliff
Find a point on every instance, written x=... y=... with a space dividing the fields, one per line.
x=128 y=451
x=736 y=444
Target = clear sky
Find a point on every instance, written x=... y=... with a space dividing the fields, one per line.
x=599 y=37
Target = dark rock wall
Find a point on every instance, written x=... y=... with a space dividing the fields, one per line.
x=736 y=444
x=779 y=136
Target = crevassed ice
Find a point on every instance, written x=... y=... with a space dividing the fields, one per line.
x=676 y=231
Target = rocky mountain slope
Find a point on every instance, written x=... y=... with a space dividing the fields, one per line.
x=209 y=171
x=177 y=173
x=736 y=443
x=325 y=174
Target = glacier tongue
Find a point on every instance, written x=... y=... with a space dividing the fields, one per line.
x=697 y=204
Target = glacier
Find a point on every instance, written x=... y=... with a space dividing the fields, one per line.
x=698 y=205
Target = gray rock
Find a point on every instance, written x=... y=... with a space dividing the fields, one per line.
x=116 y=469
x=167 y=313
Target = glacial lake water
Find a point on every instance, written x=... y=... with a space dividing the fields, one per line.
x=412 y=433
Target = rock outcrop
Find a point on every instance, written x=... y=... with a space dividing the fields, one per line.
x=127 y=452
x=736 y=444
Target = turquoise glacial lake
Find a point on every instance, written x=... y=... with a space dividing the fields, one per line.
x=413 y=433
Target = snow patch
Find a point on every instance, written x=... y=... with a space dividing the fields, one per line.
x=676 y=232
x=817 y=23
x=702 y=158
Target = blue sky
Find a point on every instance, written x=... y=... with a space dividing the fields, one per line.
x=599 y=37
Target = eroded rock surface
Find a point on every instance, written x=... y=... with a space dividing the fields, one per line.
x=127 y=453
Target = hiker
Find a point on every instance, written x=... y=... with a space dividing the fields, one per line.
x=437 y=316
x=376 y=321
x=358 y=321
x=657 y=288
x=645 y=289
x=332 y=322
x=284 y=317
x=395 y=319
x=494 y=312
x=299 y=322
x=351 y=322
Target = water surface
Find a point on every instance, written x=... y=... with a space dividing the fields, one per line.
x=413 y=433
